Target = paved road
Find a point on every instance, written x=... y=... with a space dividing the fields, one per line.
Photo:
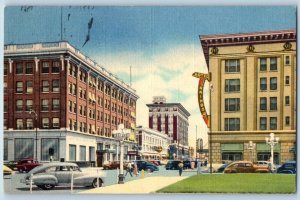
x=12 y=183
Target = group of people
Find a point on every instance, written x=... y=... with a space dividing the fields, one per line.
x=132 y=167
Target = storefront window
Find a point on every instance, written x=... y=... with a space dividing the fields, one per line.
x=24 y=148
x=48 y=143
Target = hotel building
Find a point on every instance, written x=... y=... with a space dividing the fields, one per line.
x=172 y=120
x=253 y=94
x=74 y=102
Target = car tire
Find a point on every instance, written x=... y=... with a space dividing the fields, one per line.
x=46 y=186
x=94 y=184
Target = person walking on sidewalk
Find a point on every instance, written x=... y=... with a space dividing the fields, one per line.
x=129 y=169
x=180 y=167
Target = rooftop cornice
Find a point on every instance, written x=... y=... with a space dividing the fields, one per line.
x=208 y=41
x=168 y=105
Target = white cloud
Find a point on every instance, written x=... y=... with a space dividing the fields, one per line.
x=164 y=74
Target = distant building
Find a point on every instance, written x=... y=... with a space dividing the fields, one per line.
x=77 y=103
x=172 y=120
x=150 y=142
x=253 y=76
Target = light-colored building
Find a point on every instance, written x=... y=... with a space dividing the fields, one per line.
x=253 y=80
x=172 y=120
x=77 y=104
x=150 y=141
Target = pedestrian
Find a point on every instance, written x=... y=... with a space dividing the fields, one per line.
x=135 y=169
x=180 y=167
x=129 y=169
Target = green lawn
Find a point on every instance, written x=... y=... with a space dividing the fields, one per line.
x=234 y=183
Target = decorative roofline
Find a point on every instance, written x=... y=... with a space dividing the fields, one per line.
x=278 y=36
x=169 y=104
x=59 y=47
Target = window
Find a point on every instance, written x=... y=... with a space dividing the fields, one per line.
x=5 y=106
x=287 y=100
x=287 y=60
x=74 y=89
x=70 y=88
x=273 y=64
x=55 y=122
x=287 y=80
x=263 y=123
x=232 y=124
x=55 y=104
x=263 y=103
x=19 y=68
x=5 y=87
x=45 y=105
x=29 y=123
x=45 y=86
x=55 y=85
x=29 y=68
x=273 y=83
x=72 y=152
x=19 y=124
x=232 y=66
x=45 y=67
x=5 y=70
x=232 y=104
x=263 y=84
x=273 y=103
x=19 y=105
x=29 y=87
x=29 y=105
x=45 y=122
x=287 y=120
x=5 y=149
x=70 y=124
x=263 y=64
x=232 y=85
x=23 y=148
x=273 y=123
x=70 y=106
x=82 y=153
x=19 y=87
x=55 y=67
x=48 y=143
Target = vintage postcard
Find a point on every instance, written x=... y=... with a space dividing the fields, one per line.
x=149 y=99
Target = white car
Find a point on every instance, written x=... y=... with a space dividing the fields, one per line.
x=49 y=175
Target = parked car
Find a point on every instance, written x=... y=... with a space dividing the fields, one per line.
x=155 y=162
x=289 y=167
x=173 y=165
x=11 y=164
x=222 y=168
x=53 y=174
x=266 y=163
x=245 y=167
x=144 y=165
x=26 y=165
x=114 y=165
x=7 y=170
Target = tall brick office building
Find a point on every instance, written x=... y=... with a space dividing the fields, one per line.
x=77 y=104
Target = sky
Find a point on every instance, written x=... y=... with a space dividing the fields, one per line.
x=160 y=44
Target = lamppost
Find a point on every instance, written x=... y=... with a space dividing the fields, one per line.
x=272 y=141
x=121 y=134
x=250 y=146
x=36 y=127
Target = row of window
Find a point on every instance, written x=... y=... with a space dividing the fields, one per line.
x=29 y=86
x=45 y=123
x=233 y=65
x=28 y=67
x=45 y=105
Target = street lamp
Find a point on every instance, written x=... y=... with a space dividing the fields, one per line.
x=250 y=146
x=272 y=141
x=121 y=134
x=36 y=127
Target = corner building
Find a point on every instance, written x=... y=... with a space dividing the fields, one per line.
x=77 y=103
x=253 y=94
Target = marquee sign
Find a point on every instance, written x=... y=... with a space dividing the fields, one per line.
x=202 y=79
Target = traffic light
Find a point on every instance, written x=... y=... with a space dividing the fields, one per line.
x=51 y=151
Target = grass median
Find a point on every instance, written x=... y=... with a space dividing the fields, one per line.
x=235 y=183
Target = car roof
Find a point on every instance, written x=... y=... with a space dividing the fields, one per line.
x=51 y=164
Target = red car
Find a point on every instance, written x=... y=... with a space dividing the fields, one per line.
x=26 y=165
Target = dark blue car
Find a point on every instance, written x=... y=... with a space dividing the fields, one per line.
x=146 y=166
x=289 y=167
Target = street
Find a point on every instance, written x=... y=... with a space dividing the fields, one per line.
x=13 y=185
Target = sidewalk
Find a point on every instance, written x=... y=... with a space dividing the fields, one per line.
x=139 y=186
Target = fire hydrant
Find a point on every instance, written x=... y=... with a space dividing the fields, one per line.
x=142 y=173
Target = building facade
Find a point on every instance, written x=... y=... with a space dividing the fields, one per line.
x=253 y=79
x=56 y=97
x=151 y=142
x=172 y=120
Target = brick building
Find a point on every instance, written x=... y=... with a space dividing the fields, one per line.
x=77 y=104
x=172 y=120
x=253 y=76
